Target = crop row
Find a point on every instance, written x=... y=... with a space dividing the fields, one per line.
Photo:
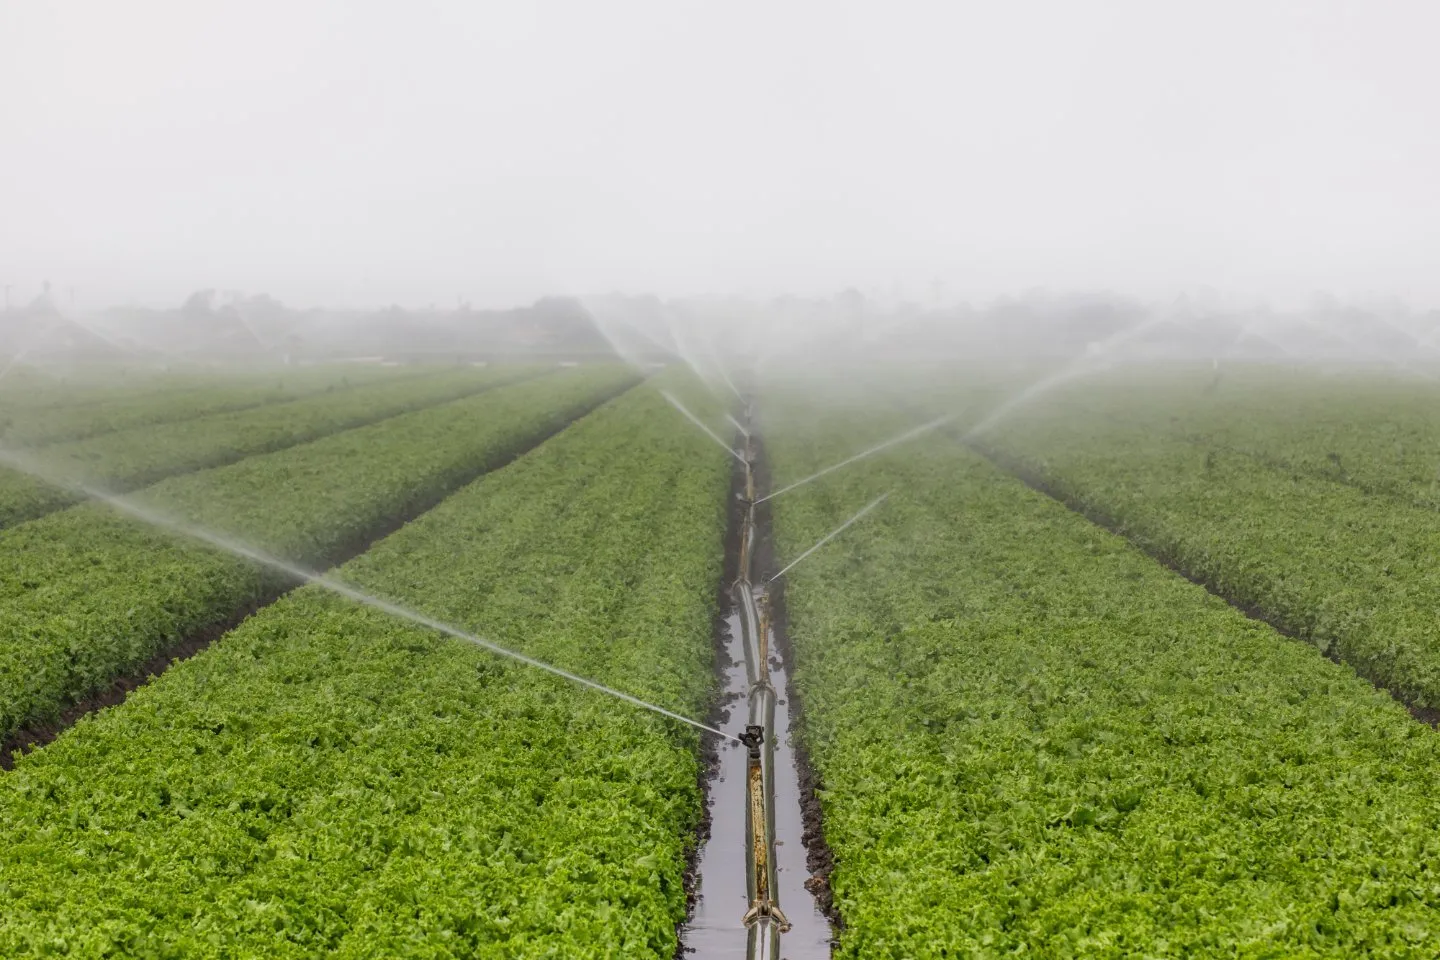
x=26 y=387
x=1230 y=477
x=1374 y=433
x=124 y=460
x=328 y=780
x=1034 y=739
x=86 y=593
x=1347 y=570
x=26 y=426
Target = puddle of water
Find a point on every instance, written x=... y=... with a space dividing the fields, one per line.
x=715 y=931
x=809 y=937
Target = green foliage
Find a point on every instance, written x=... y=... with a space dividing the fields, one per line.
x=1033 y=740
x=1377 y=434
x=327 y=780
x=87 y=593
x=27 y=389
x=128 y=459
x=1240 y=490
x=50 y=412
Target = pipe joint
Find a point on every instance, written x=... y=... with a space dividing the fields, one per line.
x=766 y=910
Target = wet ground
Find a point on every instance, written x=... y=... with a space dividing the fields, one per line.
x=715 y=931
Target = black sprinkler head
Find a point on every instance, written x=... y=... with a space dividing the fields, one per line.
x=753 y=736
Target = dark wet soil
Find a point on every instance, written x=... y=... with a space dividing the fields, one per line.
x=718 y=874
x=820 y=861
x=719 y=716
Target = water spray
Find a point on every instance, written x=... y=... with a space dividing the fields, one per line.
x=250 y=328
x=701 y=424
x=1076 y=367
x=863 y=454
x=715 y=357
x=831 y=535
x=685 y=355
x=626 y=356
x=238 y=548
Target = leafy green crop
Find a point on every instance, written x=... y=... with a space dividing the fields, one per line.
x=56 y=413
x=86 y=593
x=33 y=388
x=1322 y=556
x=127 y=459
x=1377 y=434
x=327 y=780
x=1034 y=740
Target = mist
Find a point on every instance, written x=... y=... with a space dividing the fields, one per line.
x=357 y=155
x=655 y=479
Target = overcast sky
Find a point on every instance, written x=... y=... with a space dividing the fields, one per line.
x=360 y=153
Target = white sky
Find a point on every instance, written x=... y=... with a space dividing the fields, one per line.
x=360 y=153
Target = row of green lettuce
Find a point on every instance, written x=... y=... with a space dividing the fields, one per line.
x=128 y=459
x=1325 y=559
x=88 y=593
x=1034 y=740
x=330 y=780
x=41 y=416
x=28 y=386
x=1376 y=433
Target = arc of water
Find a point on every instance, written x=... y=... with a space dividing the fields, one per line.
x=250 y=328
x=701 y=424
x=907 y=435
x=832 y=535
x=109 y=338
x=678 y=337
x=603 y=326
x=1093 y=354
x=724 y=375
x=112 y=338
x=237 y=548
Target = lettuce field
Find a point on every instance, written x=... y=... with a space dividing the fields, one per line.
x=325 y=663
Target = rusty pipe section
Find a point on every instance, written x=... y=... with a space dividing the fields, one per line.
x=764 y=921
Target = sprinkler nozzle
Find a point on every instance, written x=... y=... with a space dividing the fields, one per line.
x=753 y=736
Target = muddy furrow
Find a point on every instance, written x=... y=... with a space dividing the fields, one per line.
x=819 y=861
x=756 y=892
